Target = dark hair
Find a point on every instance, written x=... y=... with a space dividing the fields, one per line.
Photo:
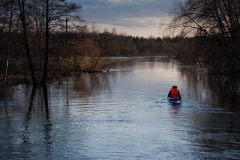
x=174 y=87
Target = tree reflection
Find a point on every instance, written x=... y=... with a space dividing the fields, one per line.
x=175 y=109
x=45 y=95
x=33 y=93
x=212 y=89
x=26 y=137
x=47 y=125
x=91 y=83
x=5 y=108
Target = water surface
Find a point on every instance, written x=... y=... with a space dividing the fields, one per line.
x=123 y=114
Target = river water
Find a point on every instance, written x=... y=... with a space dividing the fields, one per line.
x=123 y=114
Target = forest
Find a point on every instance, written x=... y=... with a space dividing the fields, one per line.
x=43 y=39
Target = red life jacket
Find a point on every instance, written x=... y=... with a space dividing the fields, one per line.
x=174 y=93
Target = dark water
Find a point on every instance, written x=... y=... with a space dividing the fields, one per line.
x=123 y=114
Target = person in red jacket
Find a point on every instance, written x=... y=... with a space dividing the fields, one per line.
x=174 y=92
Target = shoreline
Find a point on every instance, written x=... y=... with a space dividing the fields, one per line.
x=14 y=79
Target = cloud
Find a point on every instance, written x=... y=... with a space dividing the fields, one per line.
x=115 y=1
x=126 y=8
x=145 y=14
x=130 y=8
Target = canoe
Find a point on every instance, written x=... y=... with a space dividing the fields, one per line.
x=174 y=100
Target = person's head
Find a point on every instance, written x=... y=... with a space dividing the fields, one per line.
x=174 y=87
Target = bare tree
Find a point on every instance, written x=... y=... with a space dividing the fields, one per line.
x=7 y=11
x=218 y=22
x=44 y=16
x=55 y=14
x=22 y=11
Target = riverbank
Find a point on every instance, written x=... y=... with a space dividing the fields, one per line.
x=21 y=74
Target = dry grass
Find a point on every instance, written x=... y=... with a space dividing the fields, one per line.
x=57 y=70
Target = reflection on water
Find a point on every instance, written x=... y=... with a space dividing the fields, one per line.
x=123 y=114
x=175 y=109
x=215 y=90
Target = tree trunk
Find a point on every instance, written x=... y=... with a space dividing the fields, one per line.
x=9 y=41
x=45 y=70
x=21 y=4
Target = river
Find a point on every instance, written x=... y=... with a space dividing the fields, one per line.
x=123 y=114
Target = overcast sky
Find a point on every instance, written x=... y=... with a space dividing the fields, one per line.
x=133 y=17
